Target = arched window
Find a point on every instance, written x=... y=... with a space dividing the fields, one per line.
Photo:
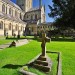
x=6 y=10
x=16 y=27
x=16 y=13
x=27 y=16
x=31 y=17
x=10 y=11
x=20 y=16
x=10 y=26
x=1 y=25
x=3 y=8
x=36 y=16
x=21 y=28
x=32 y=29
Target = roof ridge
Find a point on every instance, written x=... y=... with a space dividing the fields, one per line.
x=12 y=3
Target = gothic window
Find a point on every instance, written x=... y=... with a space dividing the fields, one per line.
x=27 y=16
x=10 y=11
x=20 y=16
x=3 y=8
x=16 y=27
x=36 y=16
x=6 y=10
x=15 y=13
x=31 y=17
x=1 y=25
x=21 y=28
x=10 y=26
x=32 y=29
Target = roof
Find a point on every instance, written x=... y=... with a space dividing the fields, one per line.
x=33 y=9
x=45 y=23
x=7 y=16
x=12 y=3
x=31 y=21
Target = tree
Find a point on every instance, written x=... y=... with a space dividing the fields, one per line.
x=64 y=13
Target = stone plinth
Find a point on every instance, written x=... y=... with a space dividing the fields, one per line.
x=43 y=63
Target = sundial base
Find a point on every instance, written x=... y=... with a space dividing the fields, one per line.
x=43 y=63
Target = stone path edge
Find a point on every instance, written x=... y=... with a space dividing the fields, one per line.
x=27 y=72
x=17 y=44
x=59 y=65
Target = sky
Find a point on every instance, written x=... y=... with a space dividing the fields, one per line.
x=46 y=3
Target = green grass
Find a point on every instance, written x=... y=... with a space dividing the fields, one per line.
x=4 y=41
x=21 y=37
x=27 y=36
x=1 y=37
x=17 y=57
x=68 y=55
x=21 y=55
x=10 y=39
x=53 y=58
x=33 y=70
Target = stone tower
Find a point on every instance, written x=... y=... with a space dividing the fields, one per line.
x=25 y=5
x=43 y=16
x=40 y=3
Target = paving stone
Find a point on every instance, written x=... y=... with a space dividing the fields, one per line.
x=26 y=72
x=18 y=43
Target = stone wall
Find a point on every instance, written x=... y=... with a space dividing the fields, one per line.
x=11 y=16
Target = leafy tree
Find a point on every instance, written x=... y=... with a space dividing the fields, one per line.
x=64 y=13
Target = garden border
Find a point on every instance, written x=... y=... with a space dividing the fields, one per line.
x=59 y=65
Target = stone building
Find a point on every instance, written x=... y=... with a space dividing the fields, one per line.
x=11 y=16
x=21 y=18
x=32 y=16
x=45 y=27
x=25 y=5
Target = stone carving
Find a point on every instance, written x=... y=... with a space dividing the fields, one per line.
x=43 y=44
x=43 y=62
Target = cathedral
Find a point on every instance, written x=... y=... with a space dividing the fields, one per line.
x=20 y=18
x=33 y=16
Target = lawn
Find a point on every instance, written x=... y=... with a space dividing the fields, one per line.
x=12 y=59
x=10 y=39
x=4 y=41
x=21 y=37
x=68 y=55
x=53 y=71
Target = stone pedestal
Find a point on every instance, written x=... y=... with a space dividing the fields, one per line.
x=43 y=63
